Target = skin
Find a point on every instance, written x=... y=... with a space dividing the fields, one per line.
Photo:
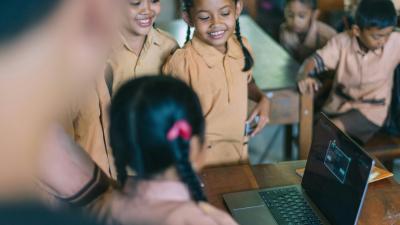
x=370 y=39
x=214 y=20
x=61 y=55
x=299 y=16
x=139 y=17
x=215 y=23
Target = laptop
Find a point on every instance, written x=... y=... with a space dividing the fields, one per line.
x=332 y=190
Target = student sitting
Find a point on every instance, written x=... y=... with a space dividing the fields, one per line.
x=157 y=129
x=301 y=35
x=364 y=60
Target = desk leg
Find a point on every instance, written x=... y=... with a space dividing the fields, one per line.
x=306 y=125
x=288 y=141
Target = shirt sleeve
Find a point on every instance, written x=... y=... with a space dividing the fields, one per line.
x=327 y=58
x=176 y=66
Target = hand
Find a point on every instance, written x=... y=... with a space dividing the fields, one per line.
x=308 y=85
x=261 y=110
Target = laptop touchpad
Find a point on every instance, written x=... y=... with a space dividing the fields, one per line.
x=257 y=215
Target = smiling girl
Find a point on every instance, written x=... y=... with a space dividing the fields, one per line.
x=142 y=48
x=217 y=64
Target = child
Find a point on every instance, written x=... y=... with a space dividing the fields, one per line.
x=143 y=48
x=157 y=129
x=217 y=65
x=301 y=35
x=364 y=61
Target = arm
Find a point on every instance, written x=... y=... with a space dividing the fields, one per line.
x=326 y=58
x=262 y=108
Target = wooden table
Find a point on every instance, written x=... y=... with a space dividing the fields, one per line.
x=381 y=206
x=275 y=73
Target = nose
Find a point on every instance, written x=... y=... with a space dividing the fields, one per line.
x=146 y=7
x=215 y=21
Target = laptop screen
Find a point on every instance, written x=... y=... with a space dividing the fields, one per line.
x=336 y=174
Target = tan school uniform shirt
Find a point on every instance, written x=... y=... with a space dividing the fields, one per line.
x=88 y=124
x=127 y=65
x=363 y=75
x=157 y=203
x=221 y=86
x=317 y=36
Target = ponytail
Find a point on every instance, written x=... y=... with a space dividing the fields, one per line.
x=188 y=33
x=248 y=59
x=185 y=169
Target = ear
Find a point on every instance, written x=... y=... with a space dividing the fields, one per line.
x=316 y=14
x=186 y=18
x=355 y=30
x=197 y=154
x=239 y=8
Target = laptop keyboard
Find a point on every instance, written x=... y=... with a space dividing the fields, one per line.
x=289 y=207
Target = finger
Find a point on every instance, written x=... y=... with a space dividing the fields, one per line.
x=253 y=114
x=261 y=124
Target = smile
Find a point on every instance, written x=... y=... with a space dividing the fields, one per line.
x=145 y=22
x=217 y=34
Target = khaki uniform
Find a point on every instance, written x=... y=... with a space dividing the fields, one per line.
x=221 y=85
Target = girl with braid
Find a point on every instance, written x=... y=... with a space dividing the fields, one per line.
x=217 y=63
x=157 y=129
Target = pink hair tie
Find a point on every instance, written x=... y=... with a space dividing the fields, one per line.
x=181 y=128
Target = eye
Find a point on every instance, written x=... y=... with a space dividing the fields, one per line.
x=225 y=13
x=203 y=16
x=155 y=1
x=134 y=3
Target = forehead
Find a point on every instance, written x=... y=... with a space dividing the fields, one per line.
x=297 y=6
x=212 y=5
x=378 y=31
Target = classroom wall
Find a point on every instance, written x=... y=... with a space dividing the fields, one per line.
x=168 y=12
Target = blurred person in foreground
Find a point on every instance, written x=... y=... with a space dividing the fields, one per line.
x=50 y=50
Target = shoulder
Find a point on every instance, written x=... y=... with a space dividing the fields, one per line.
x=395 y=37
x=165 y=38
x=177 y=64
x=325 y=30
x=341 y=40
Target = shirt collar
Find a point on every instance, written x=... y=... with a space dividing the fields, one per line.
x=161 y=190
x=212 y=56
x=151 y=39
x=356 y=47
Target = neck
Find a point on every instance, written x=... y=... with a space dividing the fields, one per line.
x=134 y=42
x=363 y=47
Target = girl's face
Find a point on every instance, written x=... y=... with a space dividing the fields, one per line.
x=214 y=21
x=140 y=15
x=298 y=16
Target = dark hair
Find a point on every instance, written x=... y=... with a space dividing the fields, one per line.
x=376 y=13
x=17 y=16
x=248 y=59
x=310 y=3
x=142 y=112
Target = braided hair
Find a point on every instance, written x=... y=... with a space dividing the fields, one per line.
x=142 y=113
x=248 y=59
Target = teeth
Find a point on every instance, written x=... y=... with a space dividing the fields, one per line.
x=144 y=21
x=217 y=33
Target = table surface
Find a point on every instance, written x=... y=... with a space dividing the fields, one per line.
x=274 y=67
x=381 y=205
